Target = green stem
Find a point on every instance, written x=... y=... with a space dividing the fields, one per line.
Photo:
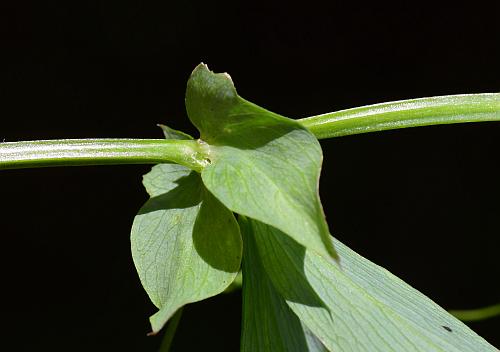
x=406 y=113
x=78 y=152
x=190 y=153
x=171 y=328
x=477 y=314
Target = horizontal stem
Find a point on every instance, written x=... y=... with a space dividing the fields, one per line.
x=190 y=153
x=78 y=152
x=406 y=113
x=477 y=314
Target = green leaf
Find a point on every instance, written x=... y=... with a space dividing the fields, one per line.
x=358 y=306
x=170 y=133
x=186 y=245
x=262 y=165
x=268 y=323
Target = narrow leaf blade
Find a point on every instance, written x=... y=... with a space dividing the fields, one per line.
x=358 y=306
x=268 y=323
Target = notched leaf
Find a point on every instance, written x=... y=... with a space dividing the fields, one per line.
x=209 y=100
x=263 y=165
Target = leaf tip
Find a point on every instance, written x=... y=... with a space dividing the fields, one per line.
x=160 y=319
x=170 y=133
x=202 y=70
x=333 y=254
x=209 y=97
x=331 y=249
x=201 y=66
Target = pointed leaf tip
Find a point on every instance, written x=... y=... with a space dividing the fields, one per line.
x=170 y=133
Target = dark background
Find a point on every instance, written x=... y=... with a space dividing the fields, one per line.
x=423 y=203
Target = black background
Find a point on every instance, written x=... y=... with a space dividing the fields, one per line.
x=423 y=203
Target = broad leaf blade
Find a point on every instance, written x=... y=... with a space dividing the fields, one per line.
x=358 y=306
x=186 y=245
x=263 y=165
x=268 y=323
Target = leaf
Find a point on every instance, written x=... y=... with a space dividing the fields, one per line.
x=268 y=323
x=162 y=179
x=170 y=133
x=358 y=306
x=263 y=165
x=186 y=245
